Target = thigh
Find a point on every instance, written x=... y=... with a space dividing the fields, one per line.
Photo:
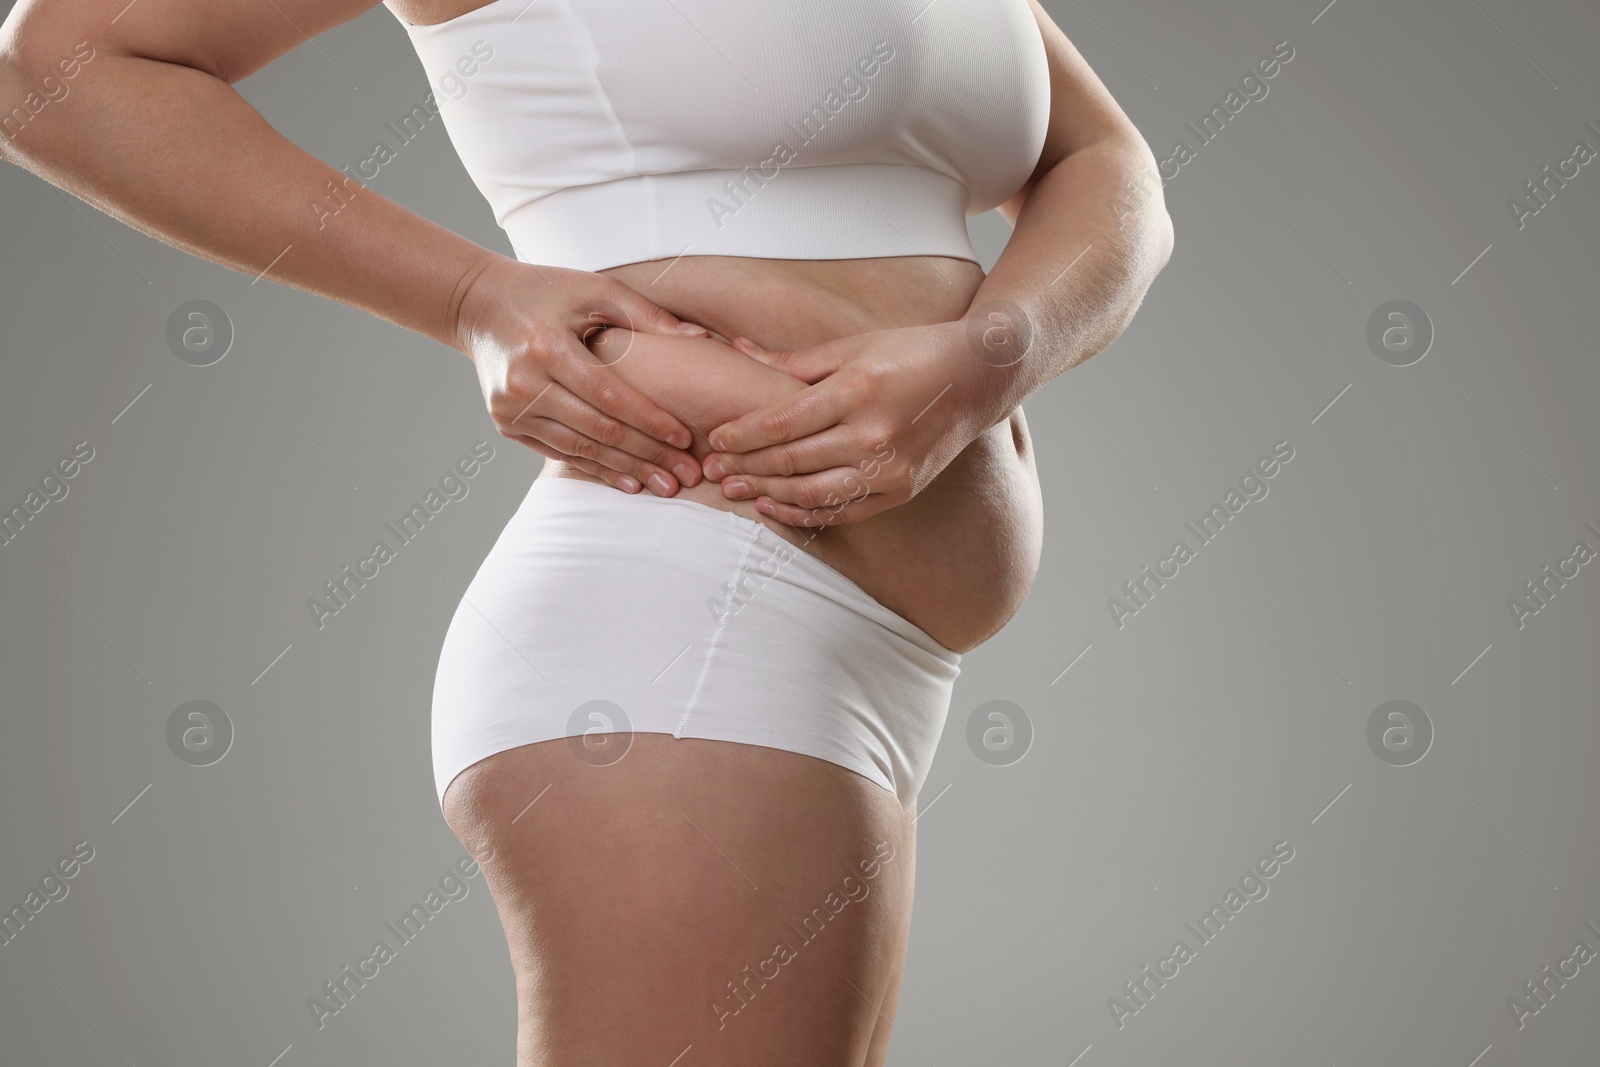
x=746 y=903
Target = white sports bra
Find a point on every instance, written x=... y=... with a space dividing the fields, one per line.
x=605 y=132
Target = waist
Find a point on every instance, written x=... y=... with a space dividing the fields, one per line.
x=790 y=303
x=977 y=527
x=765 y=211
x=781 y=304
x=786 y=304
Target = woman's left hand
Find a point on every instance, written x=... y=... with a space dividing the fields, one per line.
x=885 y=413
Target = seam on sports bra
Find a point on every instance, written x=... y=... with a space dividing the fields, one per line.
x=591 y=58
x=716 y=634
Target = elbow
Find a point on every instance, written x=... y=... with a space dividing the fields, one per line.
x=1161 y=239
x=1157 y=253
x=1157 y=222
x=1147 y=255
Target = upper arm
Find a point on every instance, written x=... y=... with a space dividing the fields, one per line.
x=1082 y=110
x=229 y=39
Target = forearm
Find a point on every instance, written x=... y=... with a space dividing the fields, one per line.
x=1089 y=239
x=178 y=154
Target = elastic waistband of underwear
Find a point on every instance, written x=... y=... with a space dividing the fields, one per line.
x=596 y=494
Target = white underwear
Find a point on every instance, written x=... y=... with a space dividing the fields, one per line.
x=601 y=612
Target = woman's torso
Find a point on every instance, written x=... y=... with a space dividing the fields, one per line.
x=924 y=131
x=957 y=559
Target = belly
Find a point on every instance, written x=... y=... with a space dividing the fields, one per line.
x=958 y=559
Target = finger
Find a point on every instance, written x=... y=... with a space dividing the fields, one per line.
x=621 y=306
x=610 y=477
x=558 y=404
x=810 y=365
x=850 y=511
x=835 y=447
x=806 y=412
x=586 y=434
x=645 y=454
x=611 y=344
x=575 y=447
x=603 y=390
x=829 y=488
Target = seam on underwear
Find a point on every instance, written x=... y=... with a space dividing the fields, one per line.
x=716 y=634
x=591 y=57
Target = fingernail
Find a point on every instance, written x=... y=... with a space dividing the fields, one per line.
x=691 y=329
x=685 y=473
x=718 y=442
x=660 y=484
x=678 y=439
x=627 y=484
x=736 y=488
x=714 y=469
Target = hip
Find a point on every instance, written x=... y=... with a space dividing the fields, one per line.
x=597 y=611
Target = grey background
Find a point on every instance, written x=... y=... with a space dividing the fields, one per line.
x=1228 y=715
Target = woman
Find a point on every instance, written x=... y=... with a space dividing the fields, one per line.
x=742 y=280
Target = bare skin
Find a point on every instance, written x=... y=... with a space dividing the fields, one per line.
x=633 y=894
x=643 y=900
x=958 y=559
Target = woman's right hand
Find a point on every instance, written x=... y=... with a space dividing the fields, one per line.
x=524 y=327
